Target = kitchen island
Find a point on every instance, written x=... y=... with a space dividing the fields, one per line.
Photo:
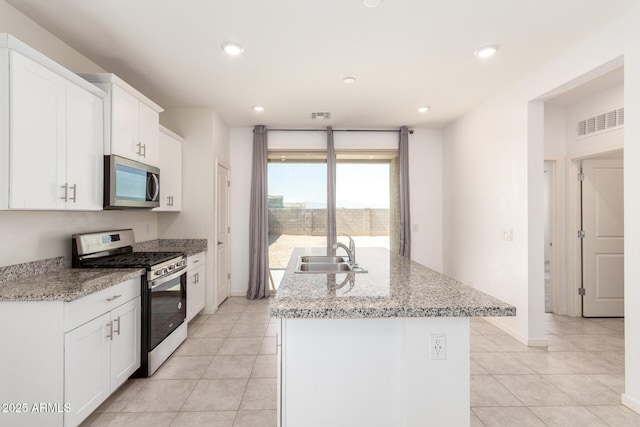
x=385 y=348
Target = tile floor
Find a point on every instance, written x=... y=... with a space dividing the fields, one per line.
x=224 y=375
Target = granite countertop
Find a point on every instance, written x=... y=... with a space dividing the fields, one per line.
x=393 y=287
x=48 y=280
x=188 y=246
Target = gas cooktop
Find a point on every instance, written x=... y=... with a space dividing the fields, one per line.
x=130 y=260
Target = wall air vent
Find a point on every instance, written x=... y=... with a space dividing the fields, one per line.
x=321 y=116
x=600 y=123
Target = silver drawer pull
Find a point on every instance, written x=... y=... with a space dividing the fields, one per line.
x=196 y=261
x=117 y=331
x=114 y=297
x=75 y=191
x=110 y=335
x=66 y=192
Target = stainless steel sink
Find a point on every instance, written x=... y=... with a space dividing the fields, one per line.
x=326 y=265
x=323 y=259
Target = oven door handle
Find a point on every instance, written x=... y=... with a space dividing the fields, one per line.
x=157 y=282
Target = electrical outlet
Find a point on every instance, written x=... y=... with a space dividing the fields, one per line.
x=438 y=347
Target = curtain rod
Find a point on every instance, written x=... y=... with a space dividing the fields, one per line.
x=336 y=130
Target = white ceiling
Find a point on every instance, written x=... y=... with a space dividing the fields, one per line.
x=403 y=54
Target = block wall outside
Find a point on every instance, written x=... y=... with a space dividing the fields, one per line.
x=312 y=222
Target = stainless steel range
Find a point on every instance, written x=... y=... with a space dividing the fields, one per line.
x=163 y=289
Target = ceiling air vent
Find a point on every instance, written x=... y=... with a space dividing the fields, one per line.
x=600 y=123
x=321 y=116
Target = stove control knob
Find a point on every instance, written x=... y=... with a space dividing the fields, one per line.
x=171 y=267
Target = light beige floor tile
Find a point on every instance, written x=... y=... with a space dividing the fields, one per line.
x=614 y=381
x=480 y=344
x=260 y=394
x=213 y=330
x=544 y=363
x=510 y=416
x=615 y=357
x=265 y=366
x=500 y=363
x=193 y=328
x=254 y=317
x=487 y=391
x=200 y=318
x=183 y=368
x=231 y=308
x=506 y=343
x=487 y=329
x=199 y=347
x=616 y=416
x=119 y=399
x=256 y=419
x=533 y=390
x=268 y=345
x=238 y=366
x=476 y=369
x=216 y=395
x=99 y=419
x=563 y=416
x=259 y=306
x=589 y=363
x=224 y=317
x=560 y=343
x=204 y=419
x=234 y=346
x=248 y=330
x=272 y=330
x=475 y=421
x=151 y=419
x=584 y=389
x=161 y=396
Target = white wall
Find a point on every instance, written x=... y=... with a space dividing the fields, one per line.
x=493 y=181
x=425 y=168
x=29 y=236
x=206 y=142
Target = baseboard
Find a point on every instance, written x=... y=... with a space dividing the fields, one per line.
x=630 y=402
x=530 y=342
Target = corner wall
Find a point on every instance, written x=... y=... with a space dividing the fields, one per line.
x=492 y=185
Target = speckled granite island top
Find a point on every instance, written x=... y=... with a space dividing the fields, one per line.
x=393 y=287
x=48 y=280
x=188 y=246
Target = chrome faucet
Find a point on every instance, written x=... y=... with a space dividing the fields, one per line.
x=350 y=250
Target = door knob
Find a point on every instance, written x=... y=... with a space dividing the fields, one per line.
x=219 y=242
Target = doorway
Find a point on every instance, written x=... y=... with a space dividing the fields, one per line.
x=222 y=234
x=548 y=233
x=602 y=235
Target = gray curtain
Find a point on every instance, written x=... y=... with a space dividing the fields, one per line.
x=259 y=219
x=405 y=215
x=331 y=193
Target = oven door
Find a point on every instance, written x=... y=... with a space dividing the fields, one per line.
x=167 y=306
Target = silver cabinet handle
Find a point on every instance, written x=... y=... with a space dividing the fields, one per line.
x=196 y=261
x=117 y=331
x=139 y=152
x=143 y=148
x=66 y=192
x=113 y=298
x=171 y=201
x=75 y=191
x=219 y=242
x=110 y=335
x=168 y=200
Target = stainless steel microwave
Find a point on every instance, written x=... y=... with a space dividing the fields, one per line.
x=130 y=184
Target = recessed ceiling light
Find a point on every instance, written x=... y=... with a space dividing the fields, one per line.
x=232 y=48
x=349 y=80
x=372 y=3
x=258 y=108
x=423 y=109
x=486 y=51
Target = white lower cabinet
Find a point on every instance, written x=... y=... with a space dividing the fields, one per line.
x=61 y=360
x=195 y=285
x=99 y=356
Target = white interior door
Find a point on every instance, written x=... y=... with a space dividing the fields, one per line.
x=222 y=234
x=603 y=244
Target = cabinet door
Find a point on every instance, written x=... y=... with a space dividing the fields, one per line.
x=38 y=147
x=125 y=347
x=124 y=124
x=195 y=292
x=84 y=149
x=86 y=368
x=170 y=173
x=148 y=127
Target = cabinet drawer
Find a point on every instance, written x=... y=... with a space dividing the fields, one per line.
x=195 y=261
x=84 y=309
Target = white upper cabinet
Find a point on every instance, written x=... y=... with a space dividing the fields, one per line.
x=51 y=139
x=131 y=120
x=170 y=171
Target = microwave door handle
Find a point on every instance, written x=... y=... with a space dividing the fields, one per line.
x=152 y=178
x=157 y=187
